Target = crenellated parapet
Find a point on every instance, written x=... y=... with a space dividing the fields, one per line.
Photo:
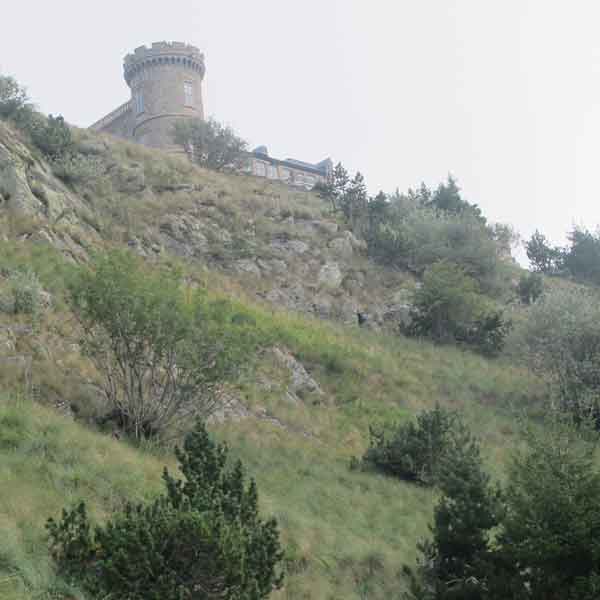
x=163 y=53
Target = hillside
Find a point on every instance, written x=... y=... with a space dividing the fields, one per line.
x=296 y=417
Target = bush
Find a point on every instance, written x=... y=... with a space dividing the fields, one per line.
x=582 y=259
x=530 y=287
x=453 y=560
x=449 y=308
x=203 y=539
x=52 y=135
x=551 y=530
x=13 y=98
x=25 y=291
x=560 y=339
x=163 y=354
x=543 y=257
x=535 y=539
x=210 y=144
x=77 y=168
x=412 y=451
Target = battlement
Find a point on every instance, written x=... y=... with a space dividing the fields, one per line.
x=163 y=53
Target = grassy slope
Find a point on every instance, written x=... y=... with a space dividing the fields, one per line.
x=346 y=533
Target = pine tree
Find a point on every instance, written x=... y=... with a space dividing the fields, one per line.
x=203 y=539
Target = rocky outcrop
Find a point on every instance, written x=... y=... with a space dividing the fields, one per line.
x=301 y=384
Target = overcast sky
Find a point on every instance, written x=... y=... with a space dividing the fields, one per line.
x=503 y=94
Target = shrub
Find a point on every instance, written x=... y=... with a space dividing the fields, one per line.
x=453 y=560
x=582 y=259
x=52 y=135
x=530 y=287
x=77 y=168
x=163 y=355
x=203 y=539
x=543 y=257
x=412 y=451
x=551 y=530
x=535 y=539
x=25 y=290
x=448 y=307
x=13 y=98
x=210 y=144
x=560 y=339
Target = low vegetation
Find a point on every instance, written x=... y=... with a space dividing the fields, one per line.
x=210 y=144
x=153 y=342
x=536 y=538
x=203 y=538
x=163 y=353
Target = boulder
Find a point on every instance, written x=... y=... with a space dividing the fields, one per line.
x=330 y=275
x=301 y=383
x=342 y=247
x=246 y=266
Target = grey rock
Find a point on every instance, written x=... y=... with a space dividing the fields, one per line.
x=301 y=383
x=342 y=247
x=246 y=265
x=330 y=275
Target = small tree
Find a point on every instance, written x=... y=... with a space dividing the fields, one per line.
x=551 y=532
x=582 y=259
x=543 y=257
x=560 y=339
x=210 y=144
x=13 y=97
x=334 y=188
x=412 y=451
x=203 y=539
x=530 y=287
x=449 y=307
x=454 y=561
x=162 y=356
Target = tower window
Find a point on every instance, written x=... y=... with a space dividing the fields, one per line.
x=138 y=99
x=188 y=90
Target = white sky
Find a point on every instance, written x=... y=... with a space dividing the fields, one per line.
x=504 y=94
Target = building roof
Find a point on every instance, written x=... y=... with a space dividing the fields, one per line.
x=321 y=168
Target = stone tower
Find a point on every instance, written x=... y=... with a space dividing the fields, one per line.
x=166 y=86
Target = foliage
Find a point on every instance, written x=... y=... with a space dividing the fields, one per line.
x=51 y=135
x=536 y=539
x=203 y=539
x=413 y=451
x=76 y=168
x=561 y=339
x=551 y=529
x=447 y=199
x=453 y=559
x=163 y=355
x=582 y=259
x=449 y=307
x=414 y=237
x=13 y=98
x=333 y=190
x=25 y=291
x=530 y=287
x=210 y=144
x=543 y=257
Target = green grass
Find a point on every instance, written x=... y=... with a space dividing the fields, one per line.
x=346 y=533
x=48 y=462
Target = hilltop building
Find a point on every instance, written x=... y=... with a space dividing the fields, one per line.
x=166 y=85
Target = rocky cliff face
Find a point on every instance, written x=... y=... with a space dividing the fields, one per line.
x=281 y=245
